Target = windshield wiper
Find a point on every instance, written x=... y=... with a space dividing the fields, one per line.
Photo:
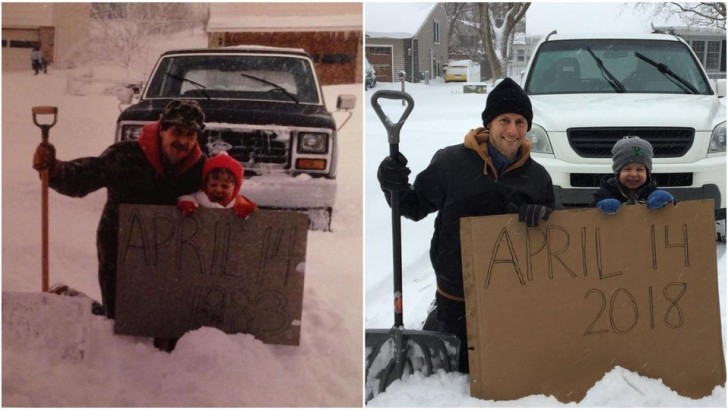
x=665 y=70
x=618 y=87
x=275 y=86
x=199 y=86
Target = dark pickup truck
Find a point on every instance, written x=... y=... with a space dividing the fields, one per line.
x=265 y=107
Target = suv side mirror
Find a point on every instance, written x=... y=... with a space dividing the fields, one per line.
x=720 y=87
x=346 y=102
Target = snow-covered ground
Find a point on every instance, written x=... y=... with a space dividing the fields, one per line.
x=208 y=367
x=441 y=116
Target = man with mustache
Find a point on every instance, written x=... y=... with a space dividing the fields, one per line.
x=163 y=164
x=491 y=173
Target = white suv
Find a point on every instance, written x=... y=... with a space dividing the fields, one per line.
x=588 y=91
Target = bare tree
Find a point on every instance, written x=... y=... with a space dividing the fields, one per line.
x=461 y=15
x=497 y=27
x=494 y=26
x=120 y=32
x=703 y=14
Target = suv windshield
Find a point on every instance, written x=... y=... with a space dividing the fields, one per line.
x=235 y=76
x=615 y=66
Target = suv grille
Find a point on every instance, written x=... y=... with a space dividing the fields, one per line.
x=598 y=142
x=249 y=146
x=680 y=179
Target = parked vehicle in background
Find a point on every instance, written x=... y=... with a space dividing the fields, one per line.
x=588 y=91
x=370 y=77
x=456 y=72
x=265 y=107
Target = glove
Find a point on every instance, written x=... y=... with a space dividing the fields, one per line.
x=244 y=207
x=659 y=198
x=532 y=213
x=186 y=207
x=609 y=206
x=393 y=173
x=45 y=157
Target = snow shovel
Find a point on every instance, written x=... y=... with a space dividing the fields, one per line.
x=44 y=127
x=392 y=353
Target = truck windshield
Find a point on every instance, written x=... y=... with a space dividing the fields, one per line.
x=573 y=66
x=235 y=76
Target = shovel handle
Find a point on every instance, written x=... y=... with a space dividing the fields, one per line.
x=45 y=110
x=393 y=130
x=45 y=127
x=392 y=127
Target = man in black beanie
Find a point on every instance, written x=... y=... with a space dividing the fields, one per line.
x=490 y=173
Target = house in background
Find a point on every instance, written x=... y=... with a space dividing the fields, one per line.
x=406 y=37
x=330 y=32
x=55 y=27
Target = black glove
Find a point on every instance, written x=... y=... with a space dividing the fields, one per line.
x=531 y=214
x=393 y=173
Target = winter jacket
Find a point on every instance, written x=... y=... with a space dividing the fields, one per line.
x=200 y=199
x=132 y=172
x=461 y=181
x=611 y=188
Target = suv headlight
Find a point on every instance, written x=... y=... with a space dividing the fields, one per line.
x=540 y=140
x=313 y=143
x=131 y=132
x=717 y=140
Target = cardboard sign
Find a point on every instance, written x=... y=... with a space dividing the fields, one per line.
x=551 y=309
x=212 y=269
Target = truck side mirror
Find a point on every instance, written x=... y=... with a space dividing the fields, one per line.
x=125 y=95
x=346 y=102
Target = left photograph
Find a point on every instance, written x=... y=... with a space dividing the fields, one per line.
x=182 y=204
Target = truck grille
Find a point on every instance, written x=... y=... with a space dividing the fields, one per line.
x=249 y=146
x=667 y=142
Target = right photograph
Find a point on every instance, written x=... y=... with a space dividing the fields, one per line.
x=545 y=195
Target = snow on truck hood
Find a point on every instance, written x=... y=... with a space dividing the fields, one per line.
x=556 y=113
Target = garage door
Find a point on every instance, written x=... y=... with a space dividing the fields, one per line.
x=17 y=44
x=380 y=57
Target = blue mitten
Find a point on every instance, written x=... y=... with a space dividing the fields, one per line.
x=609 y=206
x=659 y=198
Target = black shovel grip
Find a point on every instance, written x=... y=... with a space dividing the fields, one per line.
x=392 y=128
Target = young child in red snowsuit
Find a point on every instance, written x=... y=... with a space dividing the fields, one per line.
x=222 y=177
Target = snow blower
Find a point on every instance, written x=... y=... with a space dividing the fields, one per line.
x=394 y=353
x=45 y=128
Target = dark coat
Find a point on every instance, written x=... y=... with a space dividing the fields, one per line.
x=461 y=181
x=611 y=188
x=132 y=172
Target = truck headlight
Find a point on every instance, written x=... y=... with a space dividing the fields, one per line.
x=131 y=132
x=540 y=140
x=313 y=143
x=717 y=140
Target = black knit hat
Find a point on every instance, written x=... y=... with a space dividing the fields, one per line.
x=631 y=149
x=186 y=113
x=507 y=97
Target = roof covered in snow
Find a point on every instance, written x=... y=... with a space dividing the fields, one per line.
x=272 y=17
x=396 y=20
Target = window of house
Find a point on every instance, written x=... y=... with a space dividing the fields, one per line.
x=712 y=56
x=436 y=30
x=708 y=53
x=699 y=49
x=521 y=56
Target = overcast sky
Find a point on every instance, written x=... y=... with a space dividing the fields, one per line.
x=586 y=17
